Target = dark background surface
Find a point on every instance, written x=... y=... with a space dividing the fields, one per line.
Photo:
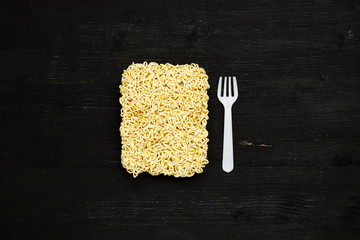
x=298 y=69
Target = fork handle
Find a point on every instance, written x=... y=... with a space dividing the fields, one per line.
x=228 y=154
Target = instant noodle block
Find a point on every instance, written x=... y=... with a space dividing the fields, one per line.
x=164 y=115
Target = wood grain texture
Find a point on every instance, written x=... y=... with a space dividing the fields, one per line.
x=296 y=121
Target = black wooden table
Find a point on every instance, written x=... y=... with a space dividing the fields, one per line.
x=296 y=121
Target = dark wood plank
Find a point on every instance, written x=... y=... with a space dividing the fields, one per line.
x=309 y=204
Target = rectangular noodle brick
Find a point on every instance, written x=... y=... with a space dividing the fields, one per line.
x=164 y=115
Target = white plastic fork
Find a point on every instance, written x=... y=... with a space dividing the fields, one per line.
x=227 y=99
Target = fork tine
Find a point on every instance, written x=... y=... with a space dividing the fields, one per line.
x=226 y=87
x=230 y=88
x=235 y=87
x=219 y=87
